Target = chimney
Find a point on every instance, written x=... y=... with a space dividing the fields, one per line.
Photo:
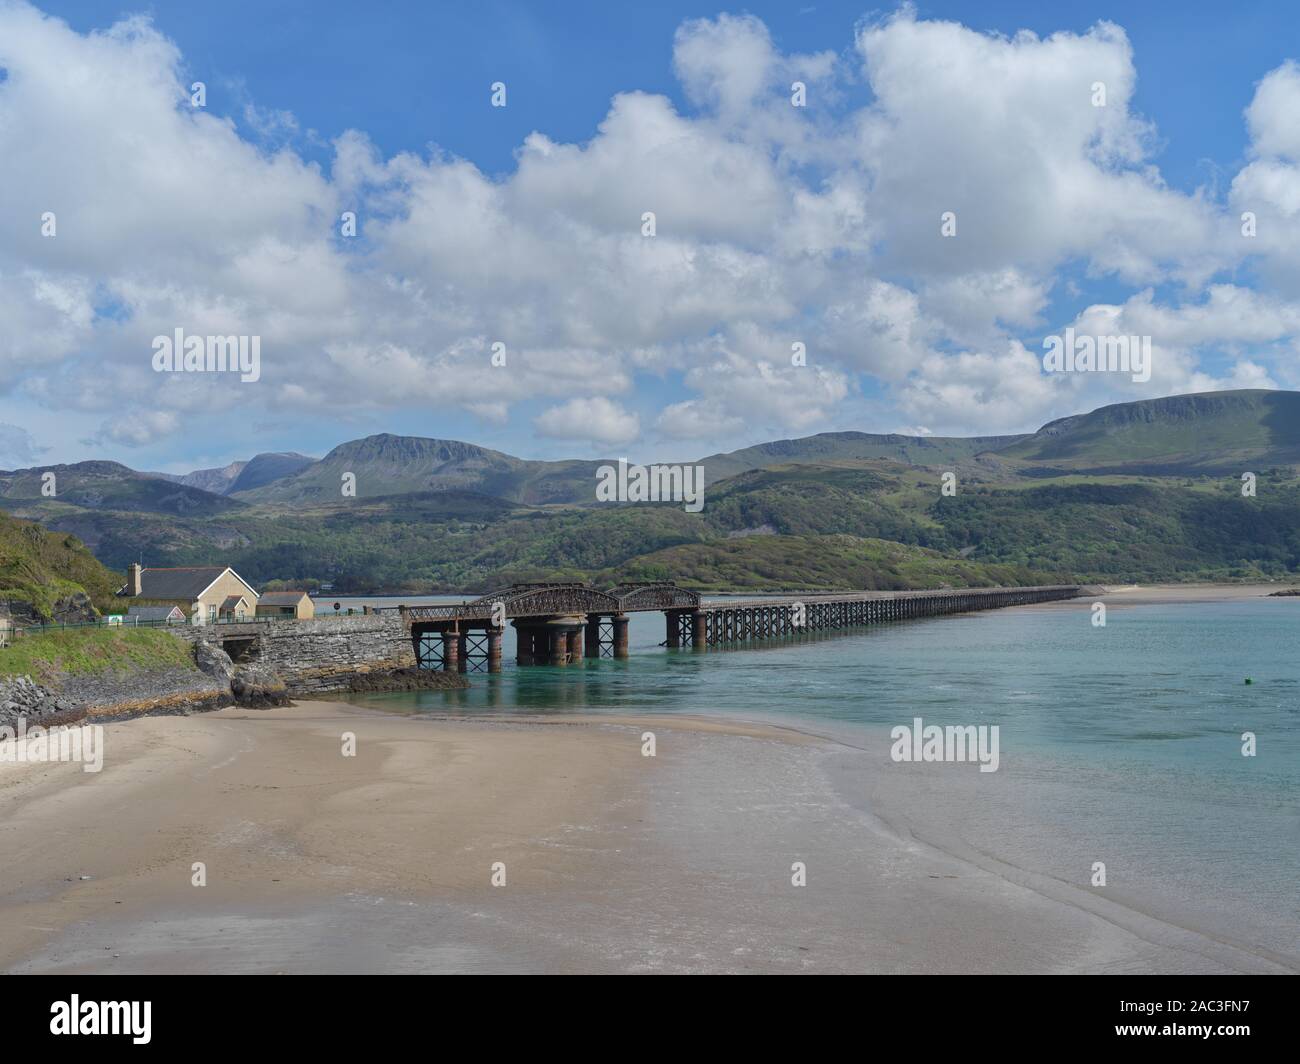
x=134 y=580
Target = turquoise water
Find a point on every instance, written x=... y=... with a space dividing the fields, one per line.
x=1120 y=744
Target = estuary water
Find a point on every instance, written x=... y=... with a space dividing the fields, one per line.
x=1119 y=745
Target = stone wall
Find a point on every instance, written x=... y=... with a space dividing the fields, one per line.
x=326 y=654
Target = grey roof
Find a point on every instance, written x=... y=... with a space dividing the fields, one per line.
x=282 y=598
x=153 y=613
x=176 y=583
x=232 y=601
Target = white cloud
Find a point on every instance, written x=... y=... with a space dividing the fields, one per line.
x=597 y=420
x=774 y=224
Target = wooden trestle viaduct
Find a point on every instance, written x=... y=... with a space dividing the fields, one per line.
x=560 y=624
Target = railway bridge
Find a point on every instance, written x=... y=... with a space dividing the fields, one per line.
x=560 y=624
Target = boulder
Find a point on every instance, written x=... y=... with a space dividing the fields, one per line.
x=213 y=661
x=258 y=687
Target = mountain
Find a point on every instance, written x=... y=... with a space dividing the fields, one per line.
x=1140 y=491
x=217 y=481
x=262 y=469
x=240 y=476
x=1209 y=432
x=104 y=486
x=1214 y=432
x=392 y=465
x=827 y=447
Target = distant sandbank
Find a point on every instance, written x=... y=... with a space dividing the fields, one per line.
x=1160 y=594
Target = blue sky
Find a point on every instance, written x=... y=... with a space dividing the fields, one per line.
x=398 y=70
x=413 y=78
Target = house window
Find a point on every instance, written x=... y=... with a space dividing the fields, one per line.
x=212 y=613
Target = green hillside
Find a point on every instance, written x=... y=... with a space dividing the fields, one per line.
x=107 y=486
x=815 y=563
x=1081 y=527
x=1137 y=492
x=826 y=447
x=43 y=570
x=1210 y=432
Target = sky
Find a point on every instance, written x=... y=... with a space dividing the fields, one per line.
x=888 y=250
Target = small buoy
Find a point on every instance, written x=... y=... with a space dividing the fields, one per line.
x=1249 y=680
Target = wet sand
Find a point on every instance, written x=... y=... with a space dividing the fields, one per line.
x=614 y=862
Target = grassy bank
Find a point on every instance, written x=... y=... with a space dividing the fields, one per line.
x=86 y=651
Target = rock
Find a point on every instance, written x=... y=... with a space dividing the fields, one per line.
x=21 y=696
x=258 y=687
x=74 y=609
x=213 y=661
x=407 y=680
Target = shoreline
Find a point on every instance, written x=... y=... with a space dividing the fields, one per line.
x=614 y=861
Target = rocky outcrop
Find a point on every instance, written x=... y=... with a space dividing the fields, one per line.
x=74 y=609
x=21 y=612
x=1286 y=593
x=257 y=687
x=408 y=680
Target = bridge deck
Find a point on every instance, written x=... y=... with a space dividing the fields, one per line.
x=552 y=600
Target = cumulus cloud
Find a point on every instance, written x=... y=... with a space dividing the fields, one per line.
x=774 y=224
x=598 y=419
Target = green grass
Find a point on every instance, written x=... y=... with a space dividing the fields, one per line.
x=93 y=650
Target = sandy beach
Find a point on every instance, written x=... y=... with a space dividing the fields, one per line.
x=613 y=861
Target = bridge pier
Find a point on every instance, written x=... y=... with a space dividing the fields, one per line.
x=699 y=629
x=525 y=644
x=620 y=634
x=592 y=641
x=494 y=636
x=451 y=651
x=673 y=623
x=559 y=647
